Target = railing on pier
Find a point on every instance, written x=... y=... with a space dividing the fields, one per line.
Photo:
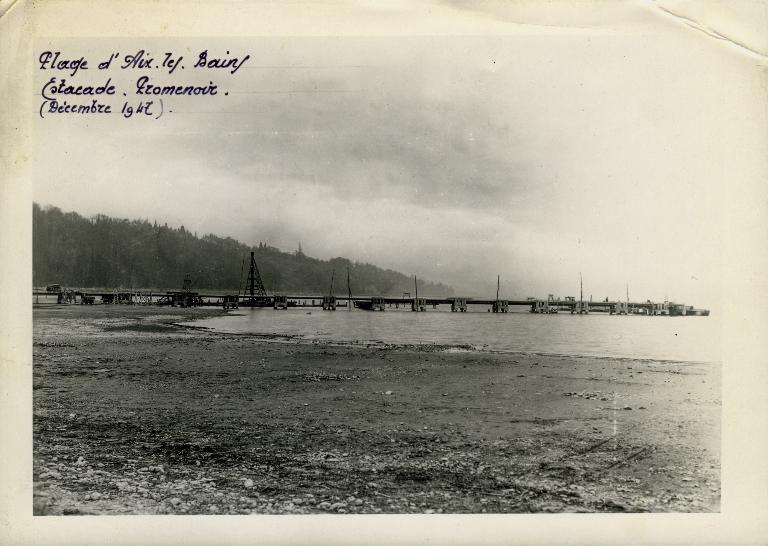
x=368 y=303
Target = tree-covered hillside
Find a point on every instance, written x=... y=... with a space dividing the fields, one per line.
x=104 y=252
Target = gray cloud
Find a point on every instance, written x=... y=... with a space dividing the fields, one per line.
x=404 y=139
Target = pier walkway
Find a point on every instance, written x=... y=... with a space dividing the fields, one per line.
x=366 y=303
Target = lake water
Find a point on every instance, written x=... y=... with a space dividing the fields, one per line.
x=657 y=338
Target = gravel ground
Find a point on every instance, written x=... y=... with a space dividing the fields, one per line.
x=135 y=415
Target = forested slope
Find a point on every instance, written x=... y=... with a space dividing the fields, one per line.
x=100 y=251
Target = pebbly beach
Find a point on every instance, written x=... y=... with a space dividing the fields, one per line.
x=137 y=413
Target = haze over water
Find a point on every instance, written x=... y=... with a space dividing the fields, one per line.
x=602 y=335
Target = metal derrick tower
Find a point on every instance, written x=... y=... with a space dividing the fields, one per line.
x=255 y=285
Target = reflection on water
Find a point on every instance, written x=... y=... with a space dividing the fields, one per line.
x=660 y=338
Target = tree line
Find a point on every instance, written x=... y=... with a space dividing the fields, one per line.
x=105 y=252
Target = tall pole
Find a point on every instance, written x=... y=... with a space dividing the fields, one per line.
x=581 y=294
x=333 y=273
x=250 y=275
x=498 y=281
x=627 y=298
x=240 y=284
x=349 y=292
x=416 y=289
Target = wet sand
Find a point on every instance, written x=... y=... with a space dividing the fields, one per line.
x=136 y=415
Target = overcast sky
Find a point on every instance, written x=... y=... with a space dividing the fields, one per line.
x=590 y=143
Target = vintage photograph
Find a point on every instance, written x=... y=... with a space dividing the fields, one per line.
x=473 y=270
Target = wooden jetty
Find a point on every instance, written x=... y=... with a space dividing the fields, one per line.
x=371 y=303
x=255 y=295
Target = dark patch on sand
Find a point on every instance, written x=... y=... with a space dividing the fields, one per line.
x=142 y=327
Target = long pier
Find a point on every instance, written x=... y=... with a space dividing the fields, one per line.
x=367 y=303
x=255 y=295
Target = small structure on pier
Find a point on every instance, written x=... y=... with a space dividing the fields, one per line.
x=119 y=298
x=581 y=308
x=181 y=298
x=66 y=296
x=458 y=304
x=500 y=306
x=620 y=308
x=378 y=303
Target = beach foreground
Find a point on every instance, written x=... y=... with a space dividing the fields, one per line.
x=136 y=415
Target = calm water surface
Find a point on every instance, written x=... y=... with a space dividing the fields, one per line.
x=658 y=338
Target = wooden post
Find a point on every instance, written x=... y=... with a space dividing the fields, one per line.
x=349 y=293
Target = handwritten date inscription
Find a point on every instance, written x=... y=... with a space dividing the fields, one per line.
x=98 y=97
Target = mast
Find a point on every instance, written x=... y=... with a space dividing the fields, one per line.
x=416 y=289
x=581 y=294
x=627 y=298
x=240 y=283
x=250 y=276
x=349 y=292
x=498 y=281
x=333 y=273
